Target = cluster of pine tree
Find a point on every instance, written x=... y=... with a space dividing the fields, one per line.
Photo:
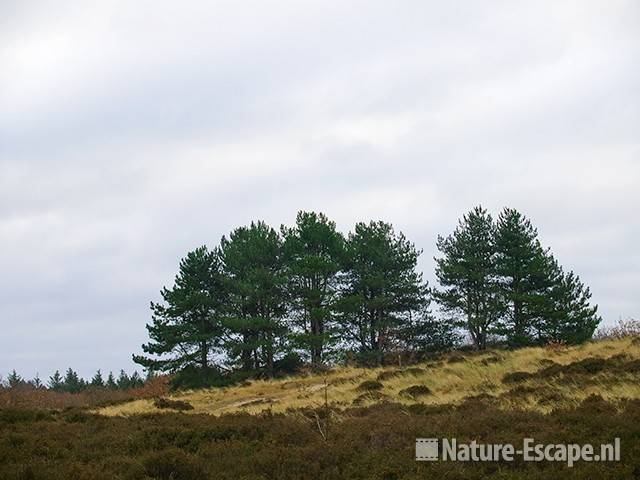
x=71 y=382
x=265 y=300
x=497 y=280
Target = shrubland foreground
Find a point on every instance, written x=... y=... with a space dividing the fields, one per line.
x=278 y=429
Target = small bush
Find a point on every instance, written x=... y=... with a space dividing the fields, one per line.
x=289 y=364
x=74 y=415
x=521 y=391
x=173 y=465
x=515 y=377
x=624 y=328
x=490 y=360
x=389 y=374
x=589 y=365
x=477 y=400
x=165 y=403
x=415 y=391
x=372 y=396
x=632 y=367
x=369 y=386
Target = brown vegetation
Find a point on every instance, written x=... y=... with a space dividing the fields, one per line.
x=282 y=429
x=26 y=396
x=165 y=403
x=375 y=442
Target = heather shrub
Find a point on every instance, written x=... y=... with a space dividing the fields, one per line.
x=416 y=391
x=515 y=377
x=365 y=443
x=165 y=403
x=369 y=385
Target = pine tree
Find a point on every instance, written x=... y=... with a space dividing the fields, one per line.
x=522 y=267
x=566 y=313
x=14 y=380
x=36 y=382
x=186 y=330
x=72 y=382
x=381 y=288
x=97 y=380
x=111 y=382
x=252 y=258
x=422 y=332
x=313 y=254
x=135 y=381
x=467 y=275
x=124 y=382
x=55 y=382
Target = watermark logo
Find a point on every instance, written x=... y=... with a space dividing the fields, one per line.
x=449 y=449
x=427 y=449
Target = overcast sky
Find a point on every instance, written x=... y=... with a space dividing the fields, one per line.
x=132 y=132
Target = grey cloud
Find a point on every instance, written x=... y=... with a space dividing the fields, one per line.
x=130 y=134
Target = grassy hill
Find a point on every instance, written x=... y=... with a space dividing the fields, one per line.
x=538 y=379
x=280 y=429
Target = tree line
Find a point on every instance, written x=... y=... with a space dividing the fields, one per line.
x=266 y=300
x=71 y=382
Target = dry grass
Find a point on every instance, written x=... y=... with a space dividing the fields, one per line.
x=449 y=382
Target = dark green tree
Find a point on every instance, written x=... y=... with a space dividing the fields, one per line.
x=72 y=382
x=566 y=315
x=135 y=380
x=252 y=258
x=123 y=381
x=522 y=266
x=422 y=332
x=56 y=382
x=186 y=329
x=467 y=275
x=313 y=253
x=111 y=383
x=14 y=380
x=36 y=382
x=381 y=288
x=97 y=380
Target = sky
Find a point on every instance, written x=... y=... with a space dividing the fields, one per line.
x=133 y=132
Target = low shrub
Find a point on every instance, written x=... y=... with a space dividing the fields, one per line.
x=174 y=464
x=416 y=391
x=165 y=403
x=515 y=377
x=622 y=329
x=369 y=385
x=389 y=374
x=371 y=396
x=365 y=442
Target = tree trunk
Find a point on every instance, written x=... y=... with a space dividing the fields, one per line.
x=246 y=353
x=204 y=355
